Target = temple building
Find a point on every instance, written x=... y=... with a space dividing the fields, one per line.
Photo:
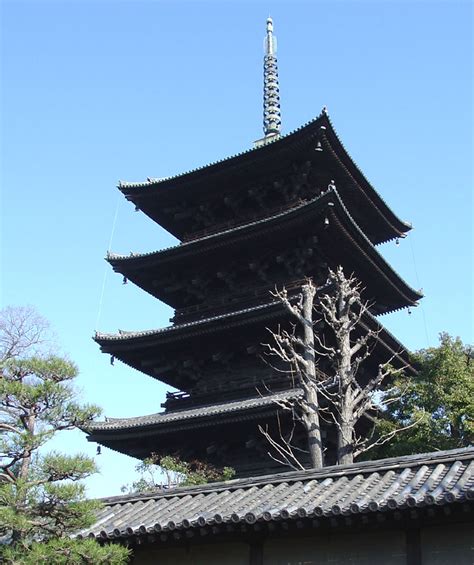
x=286 y=210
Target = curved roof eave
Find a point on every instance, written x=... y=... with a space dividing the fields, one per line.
x=309 y=130
x=393 y=278
x=190 y=414
x=132 y=337
x=102 y=338
x=238 y=159
x=384 y=268
x=361 y=181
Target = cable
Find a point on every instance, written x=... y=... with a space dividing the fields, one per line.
x=419 y=286
x=106 y=268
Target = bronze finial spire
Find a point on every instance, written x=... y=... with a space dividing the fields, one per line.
x=271 y=90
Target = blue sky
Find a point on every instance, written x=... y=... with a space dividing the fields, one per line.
x=94 y=92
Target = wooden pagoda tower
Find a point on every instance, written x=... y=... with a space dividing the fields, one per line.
x=285 y=210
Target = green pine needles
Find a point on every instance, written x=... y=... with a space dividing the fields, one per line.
x=42 y=501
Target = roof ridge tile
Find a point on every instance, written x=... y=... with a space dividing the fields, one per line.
x=388 y=485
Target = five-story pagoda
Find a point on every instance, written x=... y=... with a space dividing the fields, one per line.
x=288 y=209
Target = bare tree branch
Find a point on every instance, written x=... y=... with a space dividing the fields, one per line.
x=340 y=306
x=283 y=448
x=22 y=330
x=366 y=446
x=296 y=350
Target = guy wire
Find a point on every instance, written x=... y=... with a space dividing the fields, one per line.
x=106 y=268
x=428 y=344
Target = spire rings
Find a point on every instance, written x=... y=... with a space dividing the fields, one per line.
x=271 y=96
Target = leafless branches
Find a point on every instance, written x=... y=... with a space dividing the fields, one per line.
x=348 y=396
x=296 y=350
x=283 y=450
x=22 y=330
x=362 y=445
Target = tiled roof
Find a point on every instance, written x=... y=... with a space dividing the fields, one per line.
x=150 y=182
x=440 y=478
x=130 y=264
x=231 y=230
x=322 y=118
x=192 y=413
x=305 y=136
x=123 y=335
x=328 y=196
x=202 y=326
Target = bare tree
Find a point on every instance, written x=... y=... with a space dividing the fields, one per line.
x=348 y=397
x=342 y=309
x=22 y=330
x=297 y=351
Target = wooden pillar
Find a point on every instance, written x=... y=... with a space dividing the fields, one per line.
x=413 y=546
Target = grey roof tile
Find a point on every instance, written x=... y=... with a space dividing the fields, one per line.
x=124 y=335
x=255 y=149
x=193 y=413
x=310 y=124
x=390 y=484
x=328 y=197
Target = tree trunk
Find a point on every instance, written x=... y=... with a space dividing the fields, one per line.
x=345 y=441
x=29 y=423
x=311 y=417
x=345 y=436
x=312 y=425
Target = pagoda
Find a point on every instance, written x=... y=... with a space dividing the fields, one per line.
x=289 y=208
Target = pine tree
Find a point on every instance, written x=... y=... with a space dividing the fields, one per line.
x=42 y=501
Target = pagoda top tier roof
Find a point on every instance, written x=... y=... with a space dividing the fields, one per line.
x=315 y=142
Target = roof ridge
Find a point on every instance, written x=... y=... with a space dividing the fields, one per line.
x=364 y=467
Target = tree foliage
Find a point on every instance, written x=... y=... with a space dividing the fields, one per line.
x=440 y=399
x=42 y=501
x=175 y=472
x=64 y=551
